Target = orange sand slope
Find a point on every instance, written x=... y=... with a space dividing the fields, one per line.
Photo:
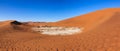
x=101 y=33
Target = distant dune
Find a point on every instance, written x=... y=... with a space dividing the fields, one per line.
x=101 y=33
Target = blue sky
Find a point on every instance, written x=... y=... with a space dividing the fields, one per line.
x=50 y=10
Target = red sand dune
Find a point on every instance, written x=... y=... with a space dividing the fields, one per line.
x=101 y=33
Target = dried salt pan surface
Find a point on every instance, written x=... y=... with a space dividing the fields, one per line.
x=58 y=30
